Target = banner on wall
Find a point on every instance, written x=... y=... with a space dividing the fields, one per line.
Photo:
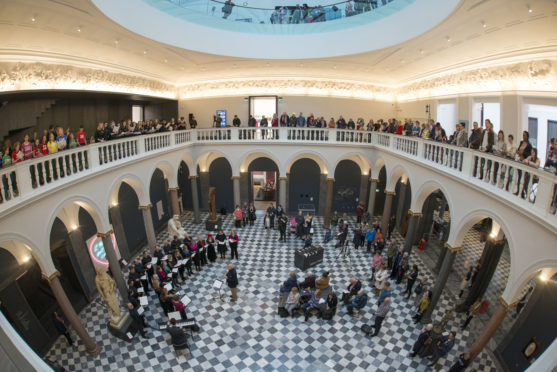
x=97 y=253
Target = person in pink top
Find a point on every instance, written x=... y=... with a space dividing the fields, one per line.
x=238 y=216
x=376 y=264
x=27 y=148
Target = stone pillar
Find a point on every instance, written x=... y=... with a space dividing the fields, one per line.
x=364 y=181
x=282 y=192
x=489 y=330
x=411 y=231
x=489 y=261
x=328 y=203
x=119 y=233
x=86 y=275
x=400 y=204
x=195 y=199
x=204 y=184
x=322 y=194
x=236 y=190
x=244 y=188
x=114 y=264
x=90 y=346
x=149 y=227
x=372 y=192
x=387 y=211
x=440 y=259
x=174 y=205
x=440 y=282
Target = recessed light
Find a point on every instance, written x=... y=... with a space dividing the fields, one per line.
x=78 y=29
x=33 y=19
x=301 y=65
x=484 y=25
x=116 y=41
x=529 y=9
x=144 y=52
x=335 y=67
x=448 y=39
x=165 y=60
x=421 y=51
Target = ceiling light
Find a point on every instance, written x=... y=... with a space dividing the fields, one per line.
x=448 y=39
x=529 y=9
x=301 y=65
x=78 y=29
x=335 y=67
x=144 y=52
x=165 y=60
x=421 y=51
x=116 y=41
x=483 y=24
x=74 y=227
x=543 y=277
x=26 y=259
x=33 y=19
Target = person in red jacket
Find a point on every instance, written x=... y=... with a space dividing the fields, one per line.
x=360 y=211
x=81 y=137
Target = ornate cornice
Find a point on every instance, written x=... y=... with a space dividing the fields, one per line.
x=173 y=188
x=392 y=193
x=452 y=249
x=105 y=235
x=538 y=75
x=343 y=89
x=376 y=180
x=415 y=214
x=49 y=278
x=145 y=207
x=42 y=76
x=194 y=176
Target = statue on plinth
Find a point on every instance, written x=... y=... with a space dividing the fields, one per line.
x=440 y=327
x=175 y=228
x=212 y=204
x=105 y=286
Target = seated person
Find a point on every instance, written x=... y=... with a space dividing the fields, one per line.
x=351 y=290
x=178 y=336
x=323 y=282
x=309 y=241
x=316 y=302
x=358 y=303
x=287 y=286
x=331 y=308
x=327 y=237
x=308 y=283
x=293 y=300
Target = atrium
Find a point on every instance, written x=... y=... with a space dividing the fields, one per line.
x=419 y=135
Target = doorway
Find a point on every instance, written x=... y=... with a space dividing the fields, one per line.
x=264 y=189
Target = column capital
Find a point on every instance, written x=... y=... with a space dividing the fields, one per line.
x=504 y=303
x=145 y=207
x=496 y=242
x=194 y=176
x=376 y=180
x=331 y=179
x=416 y=214
x=452 y=249
x=283 y=178
x=235 y=177
x=390 y=193
x=48 y=278
x=105 y=235
x=173 y=188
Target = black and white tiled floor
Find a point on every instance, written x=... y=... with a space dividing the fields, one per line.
x=249 y=335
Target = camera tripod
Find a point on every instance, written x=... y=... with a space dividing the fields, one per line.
x=345 y=251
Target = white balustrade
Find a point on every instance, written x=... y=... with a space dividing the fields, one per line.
x=525 y=186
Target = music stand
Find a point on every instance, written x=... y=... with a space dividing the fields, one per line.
x=217 y=284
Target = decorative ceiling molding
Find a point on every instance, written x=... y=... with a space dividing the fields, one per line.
x=294 y=87
x=41 y=76
x=539 y=76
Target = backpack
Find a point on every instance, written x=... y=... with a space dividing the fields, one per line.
x=282 y=312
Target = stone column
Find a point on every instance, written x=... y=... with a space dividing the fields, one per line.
x=400 y=204
x=411 y=231
x=489 y=330
x=174 y=205
x=236 y=190
x=440 y=282
x=387 y=211
x=195 y=199
x=244 y=188
x=119 y=233
x=489 y=261
x=114 y=264
x=364 y=182
x=440 y=259
x=204 y=184
x=372 y=192
x=282 y=192
x=83 y=261
x=149 y=227
x=90 y=346
x=328 y=203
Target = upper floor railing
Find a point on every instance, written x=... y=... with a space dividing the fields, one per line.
x=534 y=190
x=285 y=13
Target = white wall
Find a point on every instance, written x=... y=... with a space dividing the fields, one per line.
x=204 y=109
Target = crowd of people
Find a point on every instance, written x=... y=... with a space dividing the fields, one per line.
x=56 y=139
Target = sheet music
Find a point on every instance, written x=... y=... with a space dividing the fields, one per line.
x=149 y=265
x=175 y=315
x=164 y=258
x=143 y=301
x=140 y=290
x=217 y=284
x=140 y=310
x=168 y=286
x=169 y=275
x=154 y=260
x=185 y=300
x=175 y=270
x=143 y=277
x=130 y=336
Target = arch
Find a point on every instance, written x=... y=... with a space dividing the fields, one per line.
x=255 y=154
x=347 y=186
x=184 y=183
x=188 y=160
x=204 y=161
x=517 y=281
x=357 y=158
x=167 y=170
x=397 y=172
x=25 y=246
x=424 y=191
x=80 y=201
x=377 y=166
x=304 y=184
x=315 y=156
x=458 y=232
x=135 y=183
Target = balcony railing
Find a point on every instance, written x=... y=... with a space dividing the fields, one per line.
x=534 y=190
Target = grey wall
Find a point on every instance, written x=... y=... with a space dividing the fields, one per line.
x=158 y=192
x=347 y=187
x=184 y=183
x=220 y=174
x=132 y=218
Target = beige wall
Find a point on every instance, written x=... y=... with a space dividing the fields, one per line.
x=204 y=109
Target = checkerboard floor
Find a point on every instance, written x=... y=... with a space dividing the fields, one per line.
x=249 y=335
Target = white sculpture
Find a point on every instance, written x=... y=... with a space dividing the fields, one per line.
x=175 y=228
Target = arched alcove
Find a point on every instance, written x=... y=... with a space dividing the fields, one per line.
x=220 y=177
x=263 y=171
x=132 y=218
x=346 y=190
x=158 y=195
x=304 y=184
x=184 y=183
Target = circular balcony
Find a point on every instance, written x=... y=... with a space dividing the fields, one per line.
x=265 y=31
